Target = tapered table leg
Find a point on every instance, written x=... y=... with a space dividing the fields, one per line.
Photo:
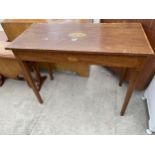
x=123 y=76
x=131 y=86
x=39 y=80
x=50 y=70
x=28 y=77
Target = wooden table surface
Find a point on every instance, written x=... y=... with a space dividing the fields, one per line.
x=114 y=39
x=109 y=44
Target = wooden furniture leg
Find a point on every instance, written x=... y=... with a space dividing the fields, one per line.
x=1 y=80
x=50 y=70
x=28 y=77
x=39 y=80
x=124 y=73
x=21 y=78
x=131 y=86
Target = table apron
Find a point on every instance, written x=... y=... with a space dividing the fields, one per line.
x=97 y=59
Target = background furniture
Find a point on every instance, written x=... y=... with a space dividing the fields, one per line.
x=148 y=70
x=9 y=67
x=14 y=27
x=128 y=50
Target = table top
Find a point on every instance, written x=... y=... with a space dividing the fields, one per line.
x=101 y=38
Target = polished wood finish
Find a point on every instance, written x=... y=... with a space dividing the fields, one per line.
x=78 y=58
x=114 y=39
x=14 y=27
x=81 y=69
x=148 y=71
x=121 y=45
x=10 y=68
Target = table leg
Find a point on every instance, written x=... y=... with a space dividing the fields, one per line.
x=1 y=80
x=124 y=73
x=21 y=78
x=39 y=80
x=28 y=77
x=50 y=70
x=131 y=86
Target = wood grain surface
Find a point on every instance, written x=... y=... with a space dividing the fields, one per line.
x=106 y=38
